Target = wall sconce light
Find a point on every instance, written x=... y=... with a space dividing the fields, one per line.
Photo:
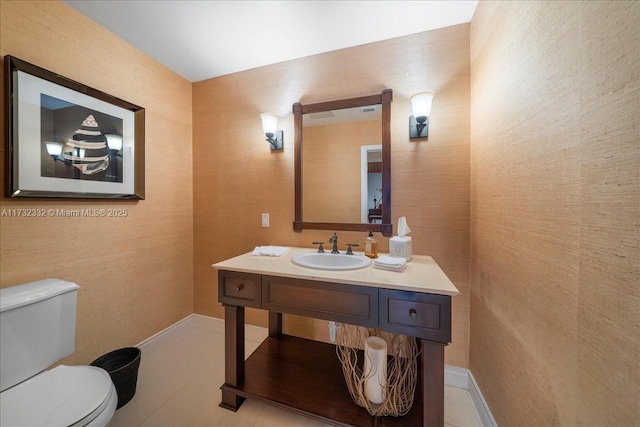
x=419 y=122
x=54 y=149
x=270 y=126
x=114 y=142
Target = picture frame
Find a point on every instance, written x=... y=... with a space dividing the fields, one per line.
x=67 y=140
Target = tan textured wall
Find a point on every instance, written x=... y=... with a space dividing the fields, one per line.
x=555 y=208
x=237 y=177
x=135 y=273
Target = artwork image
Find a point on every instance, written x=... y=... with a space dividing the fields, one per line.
x=78 y=143
x=69 y=140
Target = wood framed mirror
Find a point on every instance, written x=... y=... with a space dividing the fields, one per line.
x=338 y=145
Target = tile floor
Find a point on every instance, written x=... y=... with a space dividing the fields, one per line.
x=179 y=385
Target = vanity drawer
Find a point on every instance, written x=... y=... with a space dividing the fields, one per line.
x=426 y=316
x=357 y=305
x=242 y=289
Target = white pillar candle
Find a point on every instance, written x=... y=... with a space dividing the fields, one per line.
x=375 y=369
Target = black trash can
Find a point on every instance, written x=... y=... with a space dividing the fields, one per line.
x=122 y=366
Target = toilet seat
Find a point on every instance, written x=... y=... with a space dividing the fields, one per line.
x=62 y=396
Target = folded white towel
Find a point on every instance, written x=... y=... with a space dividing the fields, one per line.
x=386 y=262
x=270 y=251
x=382 y=267
x=389 y=261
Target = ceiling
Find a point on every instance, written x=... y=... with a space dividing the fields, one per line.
x=204 y=39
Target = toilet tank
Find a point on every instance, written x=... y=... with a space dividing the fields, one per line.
x=37 y=328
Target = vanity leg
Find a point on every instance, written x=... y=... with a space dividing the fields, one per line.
x=275 y=324
x=432 y=361
x=233 y=355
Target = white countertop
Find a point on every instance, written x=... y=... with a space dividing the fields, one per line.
x=421 y=275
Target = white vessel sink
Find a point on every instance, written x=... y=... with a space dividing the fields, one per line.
x=328 y=261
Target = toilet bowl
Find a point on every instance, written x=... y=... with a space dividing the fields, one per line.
x=37 y=329
x=62 y=396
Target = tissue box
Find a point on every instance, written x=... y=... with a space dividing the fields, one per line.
x=400 y=247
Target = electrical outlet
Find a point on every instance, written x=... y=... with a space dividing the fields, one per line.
x=265 y=219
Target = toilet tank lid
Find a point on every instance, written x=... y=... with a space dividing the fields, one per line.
x=28 y=293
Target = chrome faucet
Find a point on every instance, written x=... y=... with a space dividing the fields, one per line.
x=334 y=239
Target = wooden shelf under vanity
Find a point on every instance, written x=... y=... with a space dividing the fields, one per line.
x=305 y=377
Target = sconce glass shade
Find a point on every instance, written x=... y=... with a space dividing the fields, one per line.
x=114 y=142
x=54 y=149
x=270 y=127
x=269 y=123
x=419 y=121
x=421 y=104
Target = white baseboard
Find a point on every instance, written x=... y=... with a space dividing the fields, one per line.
x=456 y=377
x=462 y=378
x=453 y=375
x=486 y=418
x=156 y=341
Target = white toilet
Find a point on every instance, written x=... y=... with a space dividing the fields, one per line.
x=37 y=328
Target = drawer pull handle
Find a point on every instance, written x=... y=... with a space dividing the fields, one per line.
x=239 y=288
x=413 y=314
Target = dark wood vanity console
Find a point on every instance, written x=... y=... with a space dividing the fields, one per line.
x=305 y=376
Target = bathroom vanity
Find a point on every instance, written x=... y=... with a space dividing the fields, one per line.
x=305 y=376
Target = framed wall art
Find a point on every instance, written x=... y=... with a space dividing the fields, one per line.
x=65 y=139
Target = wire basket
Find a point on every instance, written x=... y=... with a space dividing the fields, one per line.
x=402 y=369
x=122 y=366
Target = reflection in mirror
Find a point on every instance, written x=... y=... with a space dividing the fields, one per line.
x=343 y=164
x=371 y=184
x=331 y=160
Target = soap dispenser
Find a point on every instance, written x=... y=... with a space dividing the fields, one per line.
x=371 y=246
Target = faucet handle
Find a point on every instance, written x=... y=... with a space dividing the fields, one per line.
x=349 y=251
x=320 y=248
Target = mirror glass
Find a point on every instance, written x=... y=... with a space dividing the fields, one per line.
x=335 y=179
x=343 y=164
